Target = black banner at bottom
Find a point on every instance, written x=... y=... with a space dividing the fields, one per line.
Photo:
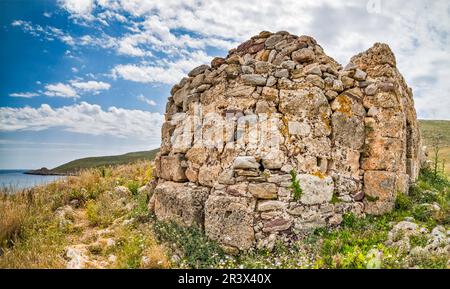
x=239 y=278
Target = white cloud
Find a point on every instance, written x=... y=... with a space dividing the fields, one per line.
x=146 y=100
x=60 y=90
x=91 y=85
x=83 y=118
x=78 y=7
x=163 y=72
x=417 y=32
x=24 y=94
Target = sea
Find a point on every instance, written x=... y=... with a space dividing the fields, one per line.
x=14 y=180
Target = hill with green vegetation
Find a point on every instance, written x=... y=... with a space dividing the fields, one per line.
x=94 y=162
x=432 y=129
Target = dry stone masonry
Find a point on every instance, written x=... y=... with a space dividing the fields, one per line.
x=277 y=105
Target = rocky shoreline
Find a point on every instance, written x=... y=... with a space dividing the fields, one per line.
x=45 y=172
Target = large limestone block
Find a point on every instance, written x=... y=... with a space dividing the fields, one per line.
x=180 y=202
x=316 y=189
x=245 y=163
x=208 y=175
x=380 y=191
x=384 y=154
x=166 y=135
x=267 y=191
x=173 y=168
x=345 y=162
x=229 y=220
x=303 y=102
x=347 y=132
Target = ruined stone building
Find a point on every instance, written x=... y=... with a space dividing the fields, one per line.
x=238 y=132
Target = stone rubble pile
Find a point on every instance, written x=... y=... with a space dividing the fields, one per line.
x=350 y=134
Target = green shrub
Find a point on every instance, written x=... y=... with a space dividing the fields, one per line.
x=422 y=213
x=295 y=186
x=371 y=199
x=133 y=186
x=92 y=212
x=198 y=250
x=418 y=240
x=131 y=252
x=403 y=202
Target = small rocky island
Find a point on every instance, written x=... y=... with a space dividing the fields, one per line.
x=43 y=172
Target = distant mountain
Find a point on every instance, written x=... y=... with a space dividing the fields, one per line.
x=92 y=162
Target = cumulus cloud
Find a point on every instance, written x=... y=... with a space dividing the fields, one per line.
x=60 y=90
x=24 y=94
x=77 y=7
x=83 y=118
x=146 y=100
x=417 y=31
x=163 y=72
x=93 y=86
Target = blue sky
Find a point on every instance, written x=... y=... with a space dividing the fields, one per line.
x=91 y=77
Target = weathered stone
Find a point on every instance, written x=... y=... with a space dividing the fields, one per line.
x=299 y=128
x=360 y=75
x=316 y=189
x=281 y=73
x=348 y=82
x=273 y=160
x=271 y=81
x=379 y=190
x=270 y=206
x=303 y=55
x=227 y=177
x=180 y=202
x=240 y=91
x=316 y=80
x=217 y=62
x=267 y=191
x=265 y=34
x=174 y=169
x=232 y=71
x=254 y=79
x=277 y=225
x=208 y=175
x=270 y=94
x=229 y=220
x=272 y=40
x=247 y=70
x=313 y=69
x=198 y=70
x=371 y=89
x=246 y=162
x=262 y=67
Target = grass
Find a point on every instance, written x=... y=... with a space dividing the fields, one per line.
x=431 y=128
x=31 y=235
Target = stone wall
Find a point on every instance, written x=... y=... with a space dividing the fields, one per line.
x=235 y=131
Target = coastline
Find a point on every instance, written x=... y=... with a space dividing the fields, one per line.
x=35 y=173
x=45 y=172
